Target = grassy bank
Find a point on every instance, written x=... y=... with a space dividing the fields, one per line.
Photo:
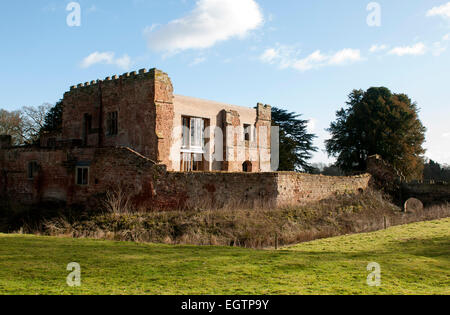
x=250 y=228
x=414 y=259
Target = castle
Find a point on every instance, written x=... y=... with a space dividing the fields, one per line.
x=167 y=150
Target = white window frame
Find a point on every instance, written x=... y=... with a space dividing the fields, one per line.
x=196 y=134
x=76 y=175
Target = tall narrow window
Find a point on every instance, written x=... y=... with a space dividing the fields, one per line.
x=33 y=169
x=186 y=132
x=197 y=126
x=247 y=132
x=112 y=124
x=191 y=162
x=82 y=176
x=193 y=143
x=87 y=127
x=193 y=134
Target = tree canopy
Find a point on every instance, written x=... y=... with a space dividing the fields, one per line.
x=296 y=144
x=11 y=123
x=378 y=121
x=436 y=171
x=25 y=125
x=53 y=119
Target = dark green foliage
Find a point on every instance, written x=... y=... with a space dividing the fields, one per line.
x=377 y=121
x=435 y=171
x=296 y=144
x=53 y=119
x=332 y=170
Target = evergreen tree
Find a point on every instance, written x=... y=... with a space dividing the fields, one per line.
x=377 y=121
x=296 y=144
x=53 y=119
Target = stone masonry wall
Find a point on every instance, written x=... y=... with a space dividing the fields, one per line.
x=143 y=101
x=109 y=169
x=297 y=188
x=218 y=189
x=149 y=186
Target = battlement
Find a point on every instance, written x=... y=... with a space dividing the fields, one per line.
x=142 y=74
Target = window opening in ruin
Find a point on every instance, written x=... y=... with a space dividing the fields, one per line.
x=247 y=132
x=82 y=175
x=33 y=169
x=112 y=124
x=87 y=127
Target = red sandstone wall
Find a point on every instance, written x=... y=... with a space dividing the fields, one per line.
x=218 y=189
x=52 y=181
x=150 y=186
x=203 y=190
x=144 y=105
x=297 y=188
x=109 y=169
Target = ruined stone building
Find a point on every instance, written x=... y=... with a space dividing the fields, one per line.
x=140 y=111
x=167 y=150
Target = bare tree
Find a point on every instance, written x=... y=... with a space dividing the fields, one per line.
x=11 y=123
x=23 y=125
x=34 y=120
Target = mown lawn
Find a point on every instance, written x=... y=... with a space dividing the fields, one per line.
x=414 y=259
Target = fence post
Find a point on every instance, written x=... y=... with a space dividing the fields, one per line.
x=276 y=241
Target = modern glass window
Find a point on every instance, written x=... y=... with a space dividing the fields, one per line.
x=193 y=134
x=193 y=144
x=191 y=162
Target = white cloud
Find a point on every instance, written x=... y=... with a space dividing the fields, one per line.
x=345 y=56
x=197 y=61
x=438 y=48
x=287 y=57
x=442 y=11
x=415 y=50
x=270 y=55
x=377 y=48
x=210 y=22
x=123 y=62
x=314 y=60
x=446 y=37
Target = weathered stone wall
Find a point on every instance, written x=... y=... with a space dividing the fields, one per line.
x=51 y=181
x=298 y=188
x=217 y=189
x=143 y=101
x=263 y=129
x=109 y=169
x=149 y=185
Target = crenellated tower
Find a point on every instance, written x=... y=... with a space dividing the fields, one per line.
x=132 y=110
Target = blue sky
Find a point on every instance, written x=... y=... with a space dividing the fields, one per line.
x=305 y=56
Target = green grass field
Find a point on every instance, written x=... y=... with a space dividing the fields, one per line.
x=414 y=259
